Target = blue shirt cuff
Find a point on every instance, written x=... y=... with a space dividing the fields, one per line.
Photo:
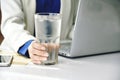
x=23 y=50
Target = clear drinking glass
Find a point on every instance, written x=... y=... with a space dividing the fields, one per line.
x=47 y=30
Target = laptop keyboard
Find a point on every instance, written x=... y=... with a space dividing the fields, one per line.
x=65 y=48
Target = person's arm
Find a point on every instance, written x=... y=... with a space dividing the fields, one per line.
x=74 y=8
x=13 y=24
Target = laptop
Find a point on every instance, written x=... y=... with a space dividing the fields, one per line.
x=96 y=29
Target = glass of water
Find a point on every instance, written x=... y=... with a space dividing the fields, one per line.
x=47 y=30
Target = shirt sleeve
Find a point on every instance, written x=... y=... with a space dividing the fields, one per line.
x=23 y=50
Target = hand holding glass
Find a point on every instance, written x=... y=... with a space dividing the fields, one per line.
x=47 y=31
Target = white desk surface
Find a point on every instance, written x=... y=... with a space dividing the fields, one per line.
x=101 y=67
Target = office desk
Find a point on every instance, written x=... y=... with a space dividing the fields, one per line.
x=100 y=67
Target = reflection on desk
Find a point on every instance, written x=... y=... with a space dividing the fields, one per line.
x=100 y=67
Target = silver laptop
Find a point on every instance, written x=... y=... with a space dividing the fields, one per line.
x=96 y=30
